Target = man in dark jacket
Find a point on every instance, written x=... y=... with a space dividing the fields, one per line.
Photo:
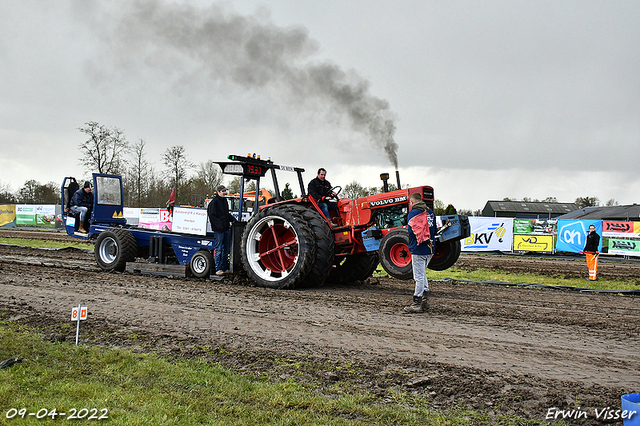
x=82 y=203
x=591 y=250
x=421 y=224
x=220 y=219
x=320 y=189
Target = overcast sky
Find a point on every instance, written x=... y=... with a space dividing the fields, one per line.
x=484 y=99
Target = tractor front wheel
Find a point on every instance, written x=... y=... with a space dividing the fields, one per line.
x=394 y=254
x=445 y=256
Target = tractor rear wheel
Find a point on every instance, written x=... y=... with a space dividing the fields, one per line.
x=278 y=247
x=325 y=245
x=445 y=256
x=114 y=248
x=356 y=267
x=394 y=254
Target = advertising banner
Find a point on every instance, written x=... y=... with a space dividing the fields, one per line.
x=155 y=218
x=190 y=220
x=489 y=234
x=32 y=214
x=624 y=247
x=8 y=215
x=538 y=243
x=522 y=226
x=572 y=234
x=25 y=215
x=612 y=228
x=132 y=215
x=45 y=215
x=149 y=215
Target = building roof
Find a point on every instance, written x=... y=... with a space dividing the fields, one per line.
x=628 y=212
x=533 y=207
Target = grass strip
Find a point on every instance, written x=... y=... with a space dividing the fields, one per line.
x=48 y=244
x=143 y=389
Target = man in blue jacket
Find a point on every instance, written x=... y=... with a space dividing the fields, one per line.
x=220 y=219
x=82 y=203
x=421 y=223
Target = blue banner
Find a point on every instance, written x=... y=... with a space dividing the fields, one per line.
x=572 y=234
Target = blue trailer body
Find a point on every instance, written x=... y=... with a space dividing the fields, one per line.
x=107 y=215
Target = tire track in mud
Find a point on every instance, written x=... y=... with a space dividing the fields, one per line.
x=567 y=342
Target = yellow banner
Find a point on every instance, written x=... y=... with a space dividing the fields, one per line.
x=636 y=227
x=7 y=213
x=542 y=243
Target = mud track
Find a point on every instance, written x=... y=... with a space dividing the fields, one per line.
x=499 y=350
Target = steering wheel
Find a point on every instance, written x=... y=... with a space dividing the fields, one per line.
x=336 y=190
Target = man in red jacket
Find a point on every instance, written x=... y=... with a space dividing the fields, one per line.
x=421 y=224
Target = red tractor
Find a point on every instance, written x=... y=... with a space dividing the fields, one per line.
x=290 y=243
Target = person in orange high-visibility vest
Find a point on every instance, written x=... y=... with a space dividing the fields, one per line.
x=591 y=250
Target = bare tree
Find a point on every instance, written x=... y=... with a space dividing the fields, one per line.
x=611 y=202
x=6 y=195
x=105 y=150
x=204 y=184
x=33 y=192
x=175 y=159
x=138 y=174
x=582 y=202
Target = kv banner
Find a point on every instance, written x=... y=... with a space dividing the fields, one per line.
x=624 y=247
x=489 y=234
x=572 y=234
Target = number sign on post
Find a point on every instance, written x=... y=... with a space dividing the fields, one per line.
x=78 y=313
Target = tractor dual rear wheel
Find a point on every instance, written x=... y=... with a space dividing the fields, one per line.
x=355 y=267
x=278 y=247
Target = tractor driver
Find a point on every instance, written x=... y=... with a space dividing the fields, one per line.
x=320 y=189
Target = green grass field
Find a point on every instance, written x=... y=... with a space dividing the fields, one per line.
x=144 y=389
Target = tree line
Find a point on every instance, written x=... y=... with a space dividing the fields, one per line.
x=107 y=150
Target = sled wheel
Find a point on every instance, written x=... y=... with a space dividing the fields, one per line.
x=201 y=264
x=356 y=267
x=394 y=254
x=278 y=247
x=445 y=256
x=114 y=248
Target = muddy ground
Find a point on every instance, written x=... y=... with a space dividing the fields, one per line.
x=494 y=349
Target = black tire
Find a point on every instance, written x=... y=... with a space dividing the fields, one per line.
x=278 y=247
x=201 y=264
x=114 y=248
x=356 y=267
x=394 y=254
x=445 y=256
x=325 y=246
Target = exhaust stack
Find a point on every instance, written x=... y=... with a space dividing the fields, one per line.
x=398 y=178
x=385 y=181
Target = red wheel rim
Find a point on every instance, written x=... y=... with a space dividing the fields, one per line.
x=399 y=255
x=278 y=248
